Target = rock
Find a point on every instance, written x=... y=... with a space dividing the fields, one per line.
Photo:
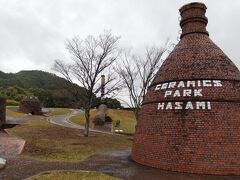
x=2 y=163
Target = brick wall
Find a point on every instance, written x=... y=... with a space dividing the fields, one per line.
x=191 y=141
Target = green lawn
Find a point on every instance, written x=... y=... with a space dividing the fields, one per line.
x=59 y=111
x=56 y=111
x=11 y=113
x=127 y=119
x=73 y=175
x=47 y=141
x=80 y=118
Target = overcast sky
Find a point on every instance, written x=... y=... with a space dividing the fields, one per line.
x=32 y=32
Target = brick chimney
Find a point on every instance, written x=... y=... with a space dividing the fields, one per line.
x=190 y=116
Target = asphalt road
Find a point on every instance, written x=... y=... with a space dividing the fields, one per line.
x=63 y=120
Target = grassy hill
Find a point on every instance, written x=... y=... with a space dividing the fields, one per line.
x=53 y=91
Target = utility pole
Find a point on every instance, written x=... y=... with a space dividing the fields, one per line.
x=102 y=86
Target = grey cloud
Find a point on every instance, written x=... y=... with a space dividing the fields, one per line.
x=32 y=33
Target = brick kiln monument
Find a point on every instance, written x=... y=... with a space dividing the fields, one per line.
x=190 y=117
x=31 y=105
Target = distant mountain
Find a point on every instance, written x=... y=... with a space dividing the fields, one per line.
x=53 y=91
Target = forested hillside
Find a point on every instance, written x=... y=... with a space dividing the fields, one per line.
x=53 y=91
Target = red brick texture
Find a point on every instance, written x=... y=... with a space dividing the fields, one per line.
x=173 y=131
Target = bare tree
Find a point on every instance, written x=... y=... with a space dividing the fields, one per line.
x=92 y=57
x=138 y=72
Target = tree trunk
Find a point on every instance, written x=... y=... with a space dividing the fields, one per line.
x=87 y=116
x=136 y=113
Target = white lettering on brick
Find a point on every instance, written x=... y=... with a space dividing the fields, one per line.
x=164 y=86
x=178 y=105
x=209 y=105
x=191 y=84
x=192 y=91
x=168 y=93
x=217 y=83
x=207 y=83
x=158 y=87
x=189 y=105
x=177 y=93
x=181 y=84
x=187 y=92
x=198 y=92
x=161 y=106
x=172 y=85
x=169 y=105
x=200 y=105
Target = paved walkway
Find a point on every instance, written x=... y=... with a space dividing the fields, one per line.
x=63 y=120
x=20 y=120
x=10 y=145
x=117 y=164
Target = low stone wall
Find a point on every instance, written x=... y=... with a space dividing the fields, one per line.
x=2 y=111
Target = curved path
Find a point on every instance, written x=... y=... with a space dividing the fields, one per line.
x=63 y=120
